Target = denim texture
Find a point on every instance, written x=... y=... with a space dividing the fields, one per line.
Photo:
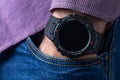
x=26 y=62
x=114 y=52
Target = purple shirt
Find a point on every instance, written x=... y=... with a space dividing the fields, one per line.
x=22 y=18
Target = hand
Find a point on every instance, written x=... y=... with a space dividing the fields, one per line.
x=47 y=46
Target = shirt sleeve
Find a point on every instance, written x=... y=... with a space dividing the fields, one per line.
x=20 y=19
x=107 y=10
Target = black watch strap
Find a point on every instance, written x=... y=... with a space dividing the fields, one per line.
x=98 y=43
x=50 y=27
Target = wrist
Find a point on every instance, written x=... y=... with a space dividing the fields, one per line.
x=48 y=47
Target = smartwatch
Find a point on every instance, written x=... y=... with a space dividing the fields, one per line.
x=73 y=35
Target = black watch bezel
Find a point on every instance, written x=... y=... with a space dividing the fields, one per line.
x=87 y=25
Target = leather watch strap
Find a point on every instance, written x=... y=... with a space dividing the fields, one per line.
x=50 y=27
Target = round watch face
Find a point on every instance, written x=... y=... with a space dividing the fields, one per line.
x=73 y=36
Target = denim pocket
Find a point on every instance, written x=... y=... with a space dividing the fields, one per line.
x=60 y=61
x=52 y=68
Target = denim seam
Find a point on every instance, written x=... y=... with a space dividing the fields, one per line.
x=60 y=59
x=57 y=64
x=111 y=60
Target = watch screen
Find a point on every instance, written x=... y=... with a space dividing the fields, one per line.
x=73 y=36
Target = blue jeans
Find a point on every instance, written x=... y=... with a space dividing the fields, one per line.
x=26 y=62
x=114 y=52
